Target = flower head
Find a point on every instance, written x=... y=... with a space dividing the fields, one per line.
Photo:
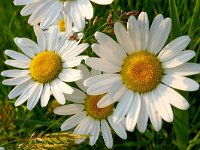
x=87 y=117
x=140 y=72
x=46 y=12
x=43 y=68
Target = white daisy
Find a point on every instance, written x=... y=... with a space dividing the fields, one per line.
x=140 y=73
x=46 y=12
x=87 y=117
x=44 y=68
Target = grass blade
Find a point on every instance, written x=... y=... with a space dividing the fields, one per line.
x=181 y=121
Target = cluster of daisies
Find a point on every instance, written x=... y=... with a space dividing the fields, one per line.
x=132 y=80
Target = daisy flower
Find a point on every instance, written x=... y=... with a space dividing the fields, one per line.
x=43 y=68
x=46 y=12
x=87 y=117
x=141 y=73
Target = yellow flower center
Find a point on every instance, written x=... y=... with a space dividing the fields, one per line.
x=141 y=71
x=95 y=112
x=61 y=24
x=45 y=66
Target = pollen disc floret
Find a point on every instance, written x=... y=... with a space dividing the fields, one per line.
x=45 y=66
x=94 y=111
x=141 y=71
x=61 y=24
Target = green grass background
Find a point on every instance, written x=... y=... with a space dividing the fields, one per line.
x=19 y=124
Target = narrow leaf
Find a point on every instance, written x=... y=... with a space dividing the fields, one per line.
x=181 y=121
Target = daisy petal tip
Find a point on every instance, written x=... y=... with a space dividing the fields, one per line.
x=55 y=111
x=143 y=14
x=2 y=73
x=16 y=39
x=100 y=104
x=97 y=34
x=187 y=105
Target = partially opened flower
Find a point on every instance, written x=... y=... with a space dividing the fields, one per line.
x=43 y=68
x=140 y=73
x=46 y=12
x=87 y=117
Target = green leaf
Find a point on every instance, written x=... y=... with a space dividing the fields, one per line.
x=181 y=118
x=195 y=17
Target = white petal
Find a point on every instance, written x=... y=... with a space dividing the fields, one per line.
x=143 y=116
x=83 y=128
x=64 y=87
x=123 y=106
x=144 y=29
x=154 y=27
x=107 y=136
x=26 y=94
x=29 y=44
x=15 y=73
x=133 y=113
x=102 y=2
x=102 y=65
x=78 y=18
x=181 y=58
x=53 y=38
x=51 y=15
x=34 y=98
x=26 y=50
x=99 y=78
x=38 y=14
x=17 y=56
x=110 y=44
x=30 y=8
x=73 y=121
x=94 y=132
x=123 y=38
x=118 y=128
x=73 y=62
x=17 y=64
x=160 y=36
x=19 y=89
x=85 y=8
x=174 y=47
x=45 y=95
x=95 y=72
x=86 y=74
x=161 y=103
x=23 y=2
x=111 y=55
x=70 y=75
x=153 y=113
x=111 y=97
x=185 y=69
x=174 y=98
x=16 y=81
x=77 y=96
x=75 y=51
x=57 y=93
x=181 y=83
x=102 y=85
x=40 y=38
x=69 y=109
x=134 y=31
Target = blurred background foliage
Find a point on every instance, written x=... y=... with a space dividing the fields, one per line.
x=40 y=128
